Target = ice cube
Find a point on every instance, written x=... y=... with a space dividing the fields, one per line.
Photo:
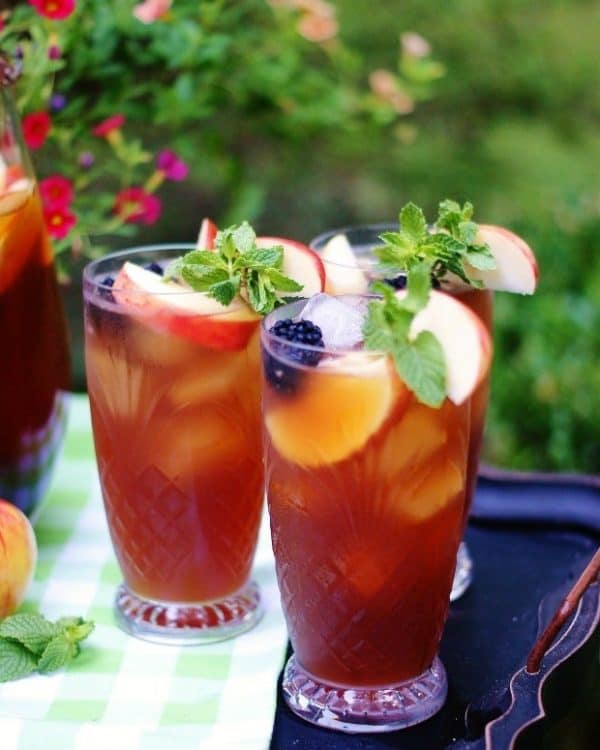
x=340 y=322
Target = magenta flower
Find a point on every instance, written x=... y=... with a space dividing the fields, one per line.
x=36 y=127
x=58 y=10
x=136 y=206
x=59 y=222
x=107 y=126
x=172 y=166
x=54 y=52
x=56 y=192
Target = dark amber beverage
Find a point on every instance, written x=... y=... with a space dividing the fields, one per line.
x=362 y=240
x=35 y=361
x=176 y=415
x=366 y=492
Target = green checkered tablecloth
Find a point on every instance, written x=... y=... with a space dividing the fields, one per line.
x=122 y=692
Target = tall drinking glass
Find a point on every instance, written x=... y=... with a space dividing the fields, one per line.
x=35 y=372
x=362 y=240
x=366 y=493
x=175 y=403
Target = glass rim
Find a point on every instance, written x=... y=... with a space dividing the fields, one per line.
x=269 y=338
x=90 y=268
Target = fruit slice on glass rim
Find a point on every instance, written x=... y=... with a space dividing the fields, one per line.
x=516 y=267
x=195 y=316
x=299 y=263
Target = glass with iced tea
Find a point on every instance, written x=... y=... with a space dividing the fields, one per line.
x=351 y=266
x=174 y=395
x=35 y=373
x=366 y=493
x=174 y=384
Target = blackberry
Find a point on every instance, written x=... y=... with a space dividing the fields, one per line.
x=397 y=282
x=284 y=378
x=155 y=268
x=104 y=291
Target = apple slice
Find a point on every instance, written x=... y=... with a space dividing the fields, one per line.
x=464 y=340
x=207 y=234
x=168 y=306
x=516 y=267
x=14 y=194
x=299 y=263
x=336 y=411
x=343 y=275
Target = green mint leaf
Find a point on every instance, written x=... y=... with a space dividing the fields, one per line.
x=422 y=367
x=202 y=258
x=77 y=629
x=173 y=270
x=467 y=232
x=262 y=257
x=413 y=222
x=418 y=286
x=261 y=293
x=202 y=278
x=224 y=291
x=31 y=630
x=16 y=660
x=57 y=654
x=244 y=237
x=480 y=256
x=281 y=282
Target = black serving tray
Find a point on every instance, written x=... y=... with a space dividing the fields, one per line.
x=530 y=536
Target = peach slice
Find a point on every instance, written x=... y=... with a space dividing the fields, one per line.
x=516 y=267
x=299 y=263
x=207 y=235
x=336 y=411
x=171 y=307
x=15 y=195
x=343 y=272
x=464 y=340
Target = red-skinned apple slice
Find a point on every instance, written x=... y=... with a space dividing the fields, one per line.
x=516 y=268
x=192 y=315
x=464 y=340
x=299 y=263
x=207 y=235
x=343 y=273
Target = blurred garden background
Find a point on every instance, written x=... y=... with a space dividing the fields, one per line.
x=301 y=115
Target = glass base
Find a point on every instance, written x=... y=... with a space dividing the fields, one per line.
x=356 y=710
x=463 y=574
x=182 y=623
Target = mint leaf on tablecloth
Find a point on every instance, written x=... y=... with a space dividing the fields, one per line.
x=32 y=630
x=16 y=660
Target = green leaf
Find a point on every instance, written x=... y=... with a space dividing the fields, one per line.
x=480 y=256
x=31 y=630
x=78 y=630
x=244 y=237
x=202 y=278
x=413 y=222
x=467 y=231
x=57 y=654
x=224 y=291
x=202 y=258
x=422 y=367
x=419 y=286
x=282 y=282
x=16 y=660
x=262 y=257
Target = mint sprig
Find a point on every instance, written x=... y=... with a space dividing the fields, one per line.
x=419 y=360
x=30 y=642
x=448 y=247
x=237 y=266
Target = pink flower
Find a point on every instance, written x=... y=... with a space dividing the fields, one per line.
x=172 y=166
x=136 y=206
x=56 y=191
x=54 y=52
x=107 y=126
x=151 y=10
x=59 y=221
x=36 y=127
x=55 y=9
